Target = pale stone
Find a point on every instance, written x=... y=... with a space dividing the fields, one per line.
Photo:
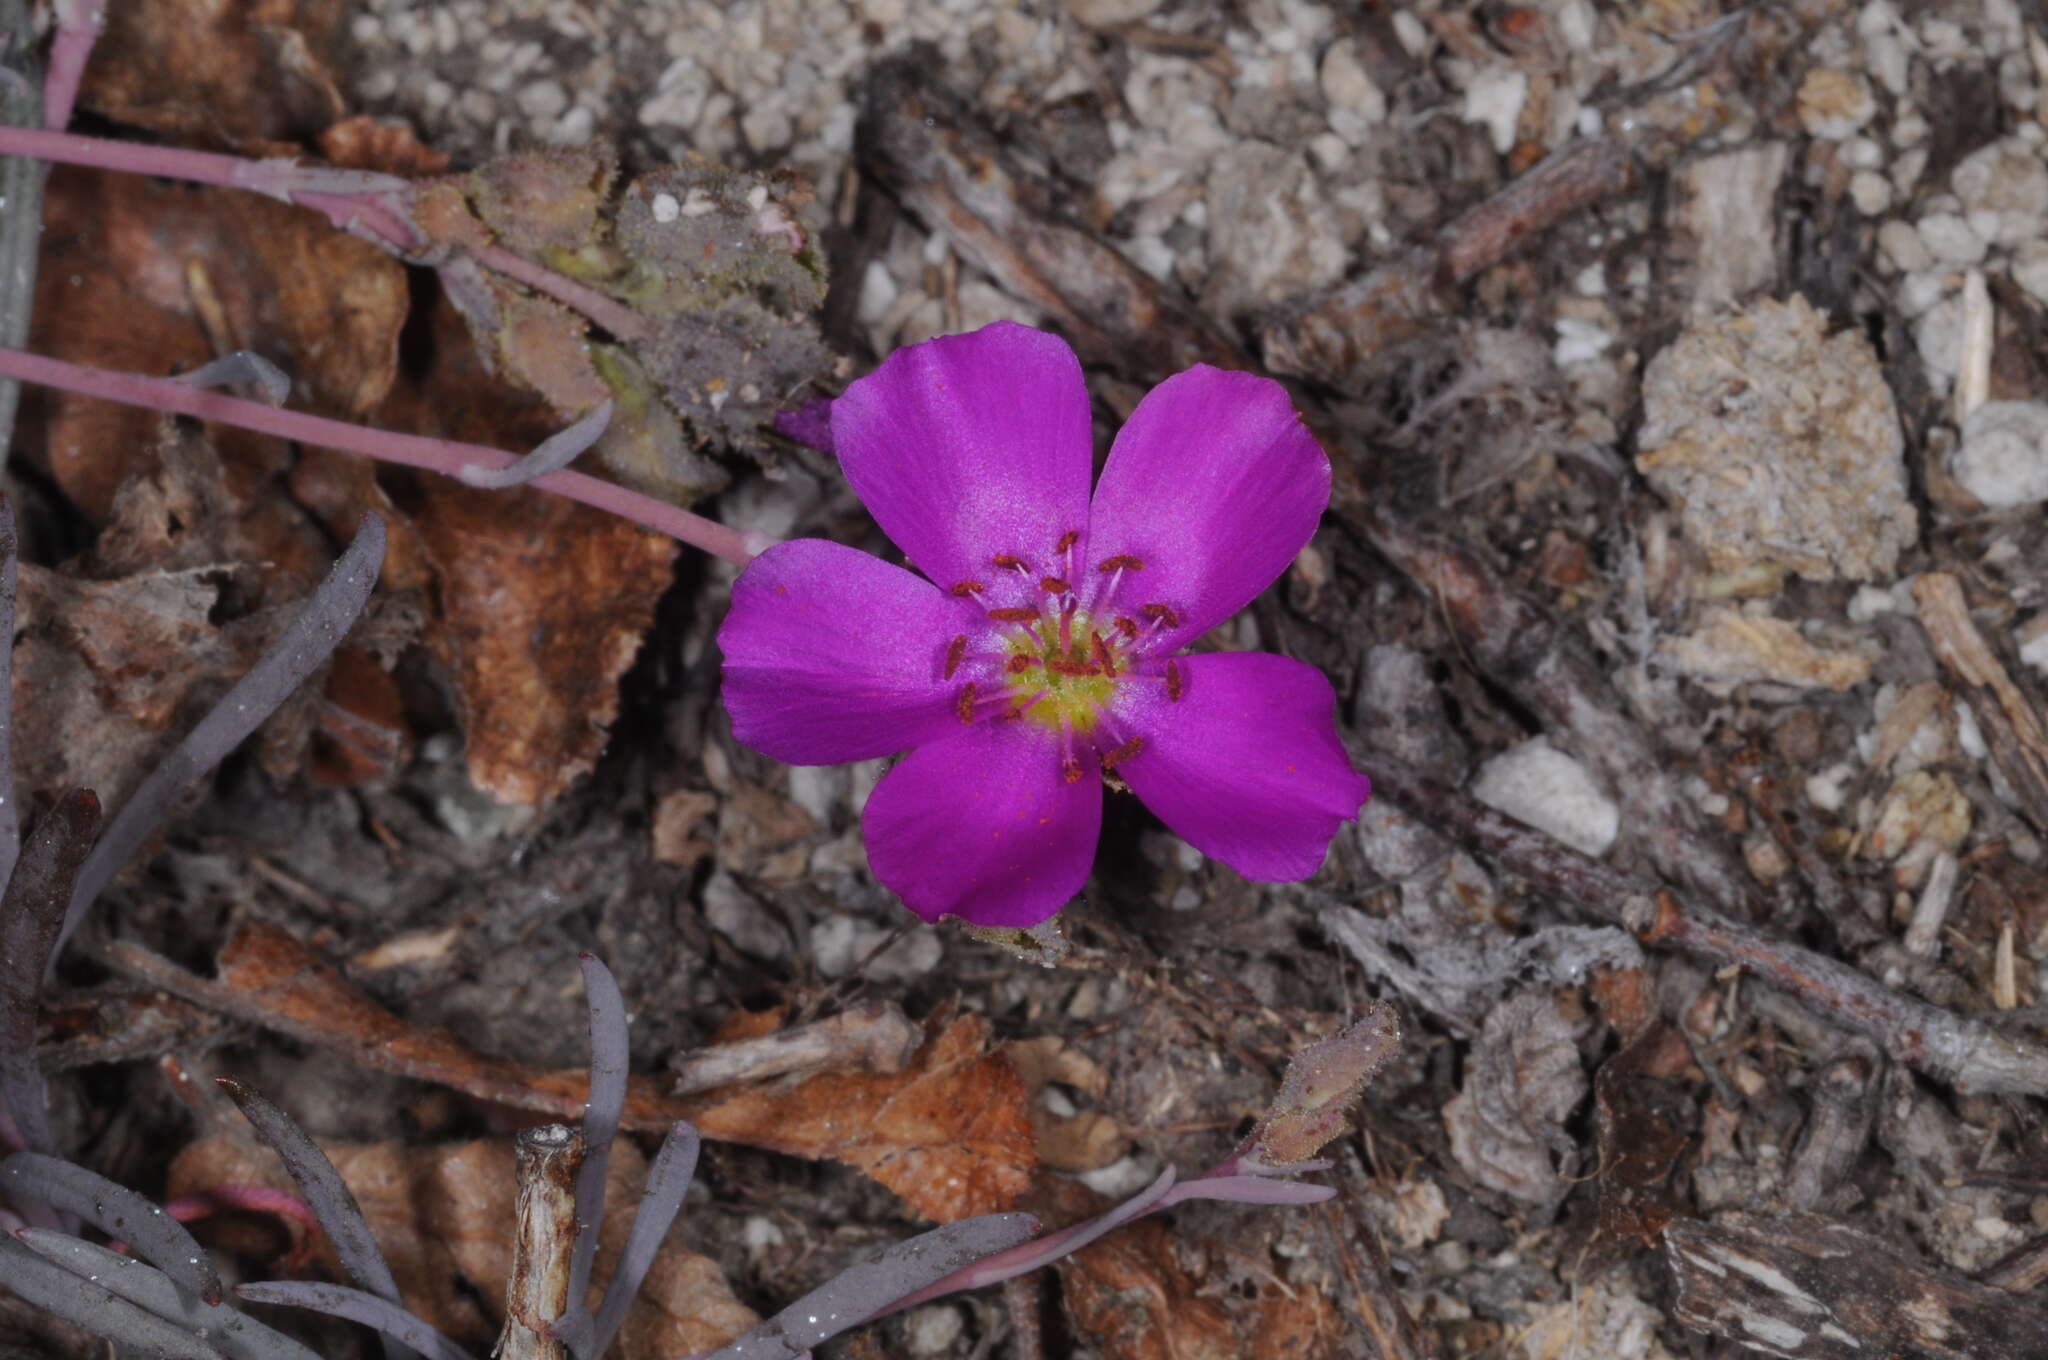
x=1541 y=785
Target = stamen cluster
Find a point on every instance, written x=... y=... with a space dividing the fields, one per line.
x=1062 y=656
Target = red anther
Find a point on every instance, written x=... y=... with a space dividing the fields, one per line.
x=1017 y=665
x=1012 y=714
x=1067 y=540
x=1059 y=665
x=1175 y=686
x=965 y=706
x=955 y=649
x=1103 y=659
x=1164 y=613
x=1070 y=769
x=1112 y=759
x=1005 y=562
x=1121 y=562
x=1128 y=627
x=1017 y=615
x=1053 y=585
x=965 y=588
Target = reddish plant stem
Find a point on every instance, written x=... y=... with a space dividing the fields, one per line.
x=377 y=214
x=445 y=456
x=78 y=28
x=621 y=320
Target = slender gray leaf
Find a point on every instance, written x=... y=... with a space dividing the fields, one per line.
x=338 y=1300
x=553 y=454
x=116 y=1211
x=31 y=910
x=243 y=368
x=10 y=815
x=306 y=643
x=95 y=1307
x=667 y=1181
x=341 y=1218
x=21 y=190
x=601 y=1113
x=238 y=1335
x=863 y=1290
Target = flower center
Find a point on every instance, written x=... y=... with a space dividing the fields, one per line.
x=1071 y=682
x=1057 y=656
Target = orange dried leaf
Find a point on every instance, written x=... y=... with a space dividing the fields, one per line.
x=951 y=1133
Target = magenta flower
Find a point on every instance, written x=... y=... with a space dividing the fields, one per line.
x=1046 y=647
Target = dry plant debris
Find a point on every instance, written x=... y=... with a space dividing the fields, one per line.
x=1680 y=371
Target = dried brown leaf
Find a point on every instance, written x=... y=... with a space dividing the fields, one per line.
x=252 y=75
x=951 y=1133
x=543 y=606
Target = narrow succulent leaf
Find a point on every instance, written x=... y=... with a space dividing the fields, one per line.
x=10 y=543
x=601 y=1114
x=305 y=644
x=116 y=1211
x=1248 y=1190
x=1029 y=1256
x=238 y=1335
x=243 y=368
x=89 y=1304
x=356 y=1306
x=667 y=1181
x=552 y=454
x=870 y=1288
x=31 y=911
x=323 y=1188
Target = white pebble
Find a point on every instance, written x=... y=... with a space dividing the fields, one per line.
x=1541 y=785
x=2003 y=457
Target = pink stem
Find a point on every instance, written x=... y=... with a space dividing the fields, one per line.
x=445 y=456
x=615 y=317
x=376 y=215
x=78 y=28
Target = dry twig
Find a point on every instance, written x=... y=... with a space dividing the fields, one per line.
x=1964 y=1052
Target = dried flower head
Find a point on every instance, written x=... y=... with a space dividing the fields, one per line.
x=1047 y=646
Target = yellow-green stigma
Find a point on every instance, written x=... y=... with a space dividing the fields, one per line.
x=1070 y=684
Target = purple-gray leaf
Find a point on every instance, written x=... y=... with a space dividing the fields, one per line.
x=30 y=912
x=337 y=1300
x=667 y=1180
x=238 y=1335
x=553 y=454
x=10 y=816
x=95 y=1307
x=306 y=643
x=871 y=1286
x=116 y=1211
x=341 y=1218
x=601 y=1113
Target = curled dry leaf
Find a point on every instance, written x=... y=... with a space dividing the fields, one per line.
x=544 y=603
x=541 y=602
x=251 y=75
x=1522 y=1081
x=950 y=1133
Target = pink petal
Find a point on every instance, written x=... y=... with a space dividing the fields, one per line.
x=1247 y=767
x=984 y=826
x=969 y=446
x=1214 y=485
x=834 y=655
